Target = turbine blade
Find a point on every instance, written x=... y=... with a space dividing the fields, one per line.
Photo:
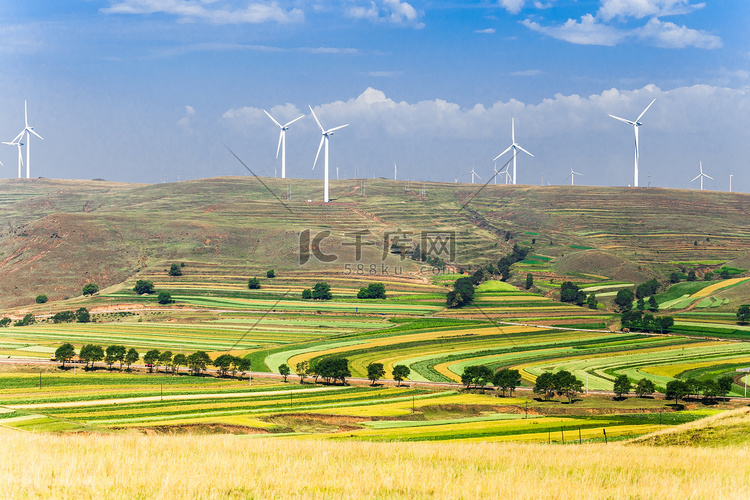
x=298 y=118
x=281 y=136
x=501 y=154
x=272 y=118
x=706 y=175
x=623 y=120
x=696 y=177
x=19 y=135
x=32 y=131
x=323 y=138
x=330 y=130
x=26 y=113
x=519 y=147
x=644 y=111
x=316 y=119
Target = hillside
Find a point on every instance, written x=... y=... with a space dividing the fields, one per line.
x=60 y=234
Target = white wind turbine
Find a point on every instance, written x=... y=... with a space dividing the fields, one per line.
x=282 y=141
x=28 y=131
x=514 y=146
x=473 y=173
x=326 y=134
x=572 y=176
x=15 y=142
x=701 y=175
x=637 y=123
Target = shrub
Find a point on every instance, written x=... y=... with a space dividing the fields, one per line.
x=29 y=319
x=372 y=291
x=165 y=298
x=253 y=284
x=270 y=273
x=175 y=270
x=322 y=291
x=143 y=287
x=5 y=322
x=82 y=315
x=41 y=299
x=307 y=293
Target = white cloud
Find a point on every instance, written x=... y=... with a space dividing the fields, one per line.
x=186 y=120
x=213 y=11
x=393 y=11
x=486 y=31
x=672 y=36
x=645 y=8
x=439 y=140
x=512 y=6
x=586 y=32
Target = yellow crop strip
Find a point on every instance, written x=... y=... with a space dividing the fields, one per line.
x=673 y=370
x=705 y=292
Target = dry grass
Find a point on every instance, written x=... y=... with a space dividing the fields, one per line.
x=139 y=466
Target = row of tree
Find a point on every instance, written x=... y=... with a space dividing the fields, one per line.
x=710 y=389
x=479 y=376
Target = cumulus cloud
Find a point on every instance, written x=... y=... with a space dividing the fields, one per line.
x=486 y=31
x=392 y=11
x=672 y=36
x=439 y=140
x=645 y=8
x=512 y=6
x=587 y=31
x=212 y=11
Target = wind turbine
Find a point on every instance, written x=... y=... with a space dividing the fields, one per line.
x=473 y=173
x=28 y=131
x=572 y=176
x=282 y=141
x=702 y=175
x=515 y=147
x=395 y=172
x=637 y=123
x=326 y=134
x=15 y=142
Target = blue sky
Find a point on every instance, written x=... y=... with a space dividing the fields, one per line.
x=139 y=90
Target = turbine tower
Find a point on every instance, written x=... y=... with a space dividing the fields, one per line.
x=326 y=134
x=514 y=146
x=28 y=131
x=637 y=123
x=701 y=175
x=282 y=141
x=572 y=176
x=15 y=142
x=473 y=173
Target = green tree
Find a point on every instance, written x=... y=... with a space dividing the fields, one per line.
x=27 y=320
x=624 y=299
x=529 y=280
x=64 y=353
x=222 y=363
x=479 y=375
x=676 y=389
x=115 y=353
x=545 y=385
x=321 y=291
x=284 y=370
x=165 y=359
x=91 y=354
x=566 y=384
x=507 y=379
x=725 y=385
x=462 y=293
x=332 y=369
x=400 y=372
x=653 y=305
x=242 y=365
x=131 y=357
x=622 y=385
x=691 y=275
x=743 y=315
x=270 y=273
x=151 y=358
x=307 y=294
x=647 y=288
x=591 y=301
x=41 y=299
x=569 y=292
x=175 y=270
x=372 y=291
x=90 y=289
x=5 y=321
x=143 y=287
x=164 y=297
x=64 y=317
x=83 y=315
x=375 y=371
x=178 y=361
x=640 y=304
x=675 y=278
x=302 y=369
x=253 y=284
x=644 y=387
x=198 y=361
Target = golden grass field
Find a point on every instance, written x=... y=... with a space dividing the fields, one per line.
x=166 y=467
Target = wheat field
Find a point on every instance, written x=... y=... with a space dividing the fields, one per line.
x=220 y=466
